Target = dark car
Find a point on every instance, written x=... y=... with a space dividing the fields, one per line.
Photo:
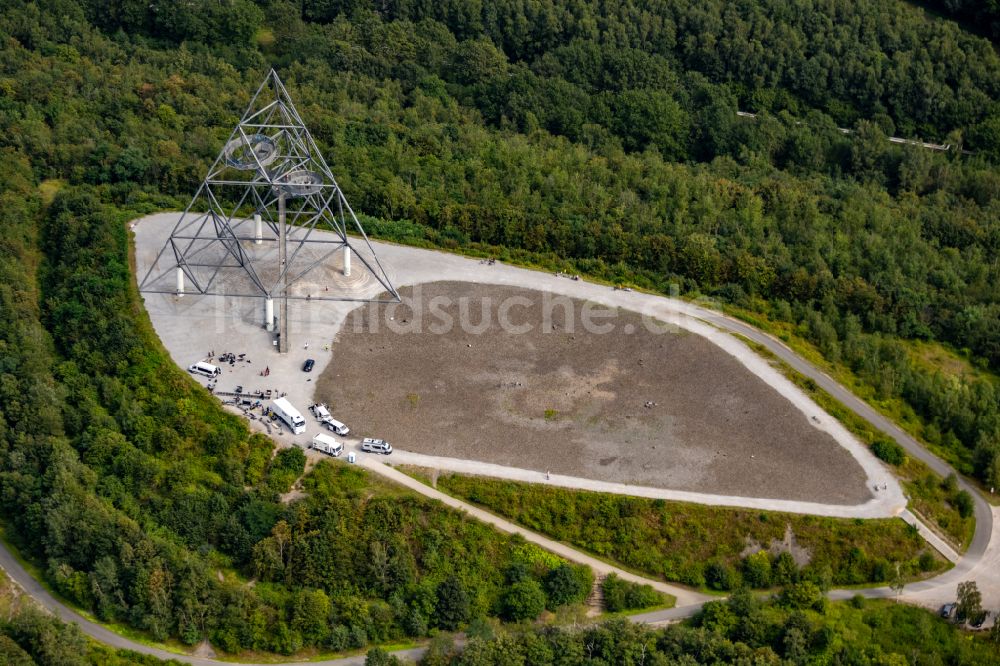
x=308 y=365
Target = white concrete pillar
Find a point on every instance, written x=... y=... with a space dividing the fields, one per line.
x=258 y=229
x=283 y=264
x=180 y=281
x=347 y=261
x=269 y=314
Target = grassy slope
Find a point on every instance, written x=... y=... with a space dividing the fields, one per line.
x=933 y=356
x=675 y=540
x=924 y=487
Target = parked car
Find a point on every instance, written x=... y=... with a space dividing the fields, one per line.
x=372 y=445
x=322 y=414
x=336 y=426
x=308 y=365
x=204 y=369
x=978 y=622
x=948 y=610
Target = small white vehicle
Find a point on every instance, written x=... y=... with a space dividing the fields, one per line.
x=326 y=444
x=205 y=369
x=336 y=426
x=372 y=445
x=288 y=415
x=323 y=415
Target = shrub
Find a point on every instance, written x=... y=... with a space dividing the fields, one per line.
x=379 y=657
x=524 y=600
x=622 y=595
x=720 y=576
x=802 y=595
x=964 y=504
x=882 y=570
x=291 y=459
x=757 y=569
x=889 y=452
x=565 y=585
x=287 y=465
x=784 y=571
x=452 y=609
x=927 y=561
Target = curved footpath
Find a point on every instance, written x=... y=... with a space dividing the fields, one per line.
x=981 y=562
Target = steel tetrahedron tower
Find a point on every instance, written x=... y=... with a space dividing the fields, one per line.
x=251 y=228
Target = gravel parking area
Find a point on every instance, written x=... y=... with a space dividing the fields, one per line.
x=632 y=405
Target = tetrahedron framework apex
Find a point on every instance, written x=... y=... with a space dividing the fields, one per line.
x=251 y=227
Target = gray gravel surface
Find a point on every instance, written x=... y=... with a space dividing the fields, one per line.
x=634 y=405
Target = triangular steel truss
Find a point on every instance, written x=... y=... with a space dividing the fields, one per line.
x=269 y=163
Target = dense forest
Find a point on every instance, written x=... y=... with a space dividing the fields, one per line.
x=30 y=636
x=983 y=17
x=600 y=137
x=797 y=627
x=600 y=144
x=143 y=501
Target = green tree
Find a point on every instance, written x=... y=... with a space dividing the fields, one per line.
x=970 y=602
x=524 y=600
x=379 y=657
x=47 y=639
x=898 y=582
x=802 y=595
x=964 y=503
x=784 y=571
x=720 y=576
x=310 y=615
x=565 y=585
x=757 y=569
x=452 y=608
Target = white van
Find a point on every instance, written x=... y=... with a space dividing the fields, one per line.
x=204 y=369
x=289 y=415
x=372 y=445
x=320 y=411
x=322 y=414
x=336 y=426
x=326 y=444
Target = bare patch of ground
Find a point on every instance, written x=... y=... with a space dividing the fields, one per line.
x=788 y=544
x=204 y=650
x=662 y=409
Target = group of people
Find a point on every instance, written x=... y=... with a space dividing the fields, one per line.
x=228 y=357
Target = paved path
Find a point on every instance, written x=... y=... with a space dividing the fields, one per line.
x=411 y=266
x=884 y=505
x=685 y=597
x=981 y=561
x=931 y=537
